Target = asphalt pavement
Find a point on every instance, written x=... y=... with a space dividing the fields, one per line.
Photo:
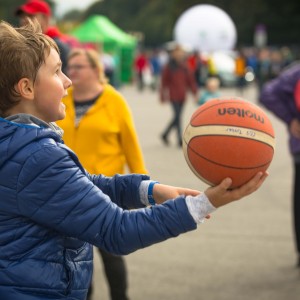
x=244 y=252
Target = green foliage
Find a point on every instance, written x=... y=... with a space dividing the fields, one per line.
x=73 y=15
x=8 y=8
x=156 y=18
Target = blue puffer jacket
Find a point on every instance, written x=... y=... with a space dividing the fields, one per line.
x=51 y=210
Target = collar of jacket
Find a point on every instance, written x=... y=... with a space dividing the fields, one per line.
x=34 y=121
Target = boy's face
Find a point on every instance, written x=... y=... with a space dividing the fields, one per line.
x=49 y=89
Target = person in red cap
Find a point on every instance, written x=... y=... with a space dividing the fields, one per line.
x=41 y=10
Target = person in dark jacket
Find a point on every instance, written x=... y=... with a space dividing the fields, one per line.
x=176 y=81
x=51 y=209
x=282 y=96
x=41 y=11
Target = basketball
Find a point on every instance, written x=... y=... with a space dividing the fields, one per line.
x=228 y=137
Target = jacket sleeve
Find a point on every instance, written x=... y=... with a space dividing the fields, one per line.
x=55 y=193
x=122 y=189
x=191 y=82
x=278 y=96
x=164 y=85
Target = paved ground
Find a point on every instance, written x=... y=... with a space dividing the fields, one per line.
x=244 y=252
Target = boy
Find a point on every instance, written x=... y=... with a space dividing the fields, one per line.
x=51 y=209
x=212 y=90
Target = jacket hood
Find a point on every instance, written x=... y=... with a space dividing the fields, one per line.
x=20 y=130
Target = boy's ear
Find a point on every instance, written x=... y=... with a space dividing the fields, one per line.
x=25 y=88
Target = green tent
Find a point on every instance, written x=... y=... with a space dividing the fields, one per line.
x=100 y=30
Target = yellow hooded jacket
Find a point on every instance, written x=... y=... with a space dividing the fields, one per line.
x=105 y=139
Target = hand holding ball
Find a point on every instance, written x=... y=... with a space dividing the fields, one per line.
x=228 y=137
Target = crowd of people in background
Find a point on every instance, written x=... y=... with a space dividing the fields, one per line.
x=263 y=64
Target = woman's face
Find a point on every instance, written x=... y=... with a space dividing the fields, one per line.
x=80 y=70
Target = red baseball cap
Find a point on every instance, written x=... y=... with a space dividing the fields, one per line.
x=33 y=7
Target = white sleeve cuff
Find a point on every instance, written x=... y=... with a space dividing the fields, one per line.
x=143 y=191
x=199 y=207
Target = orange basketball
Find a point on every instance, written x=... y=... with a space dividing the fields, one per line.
x=228 y=137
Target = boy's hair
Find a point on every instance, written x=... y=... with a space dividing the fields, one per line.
x=22 y=52
x=93 y=58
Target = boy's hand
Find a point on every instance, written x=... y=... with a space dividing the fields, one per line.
x=162 y=192
x=221 y=194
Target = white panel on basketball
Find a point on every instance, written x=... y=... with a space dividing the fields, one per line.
x=227 y=130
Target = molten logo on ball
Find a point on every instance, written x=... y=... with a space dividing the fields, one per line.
x=241 y=113
x=228 y=137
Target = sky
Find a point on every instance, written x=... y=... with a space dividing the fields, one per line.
x=63 y=6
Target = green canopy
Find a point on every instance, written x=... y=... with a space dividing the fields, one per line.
x=99 y=29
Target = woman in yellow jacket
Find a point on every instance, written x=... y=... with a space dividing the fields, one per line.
x=99 y=128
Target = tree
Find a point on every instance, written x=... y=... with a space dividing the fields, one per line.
x=156 y=18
